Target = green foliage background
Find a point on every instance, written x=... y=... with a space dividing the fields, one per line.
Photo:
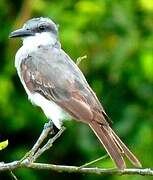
x=117 y=37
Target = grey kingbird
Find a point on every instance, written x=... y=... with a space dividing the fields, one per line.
x=56 y=84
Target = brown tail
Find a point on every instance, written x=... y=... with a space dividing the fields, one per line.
x=113 y=145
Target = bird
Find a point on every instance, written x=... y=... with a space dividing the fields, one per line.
x=54 y=82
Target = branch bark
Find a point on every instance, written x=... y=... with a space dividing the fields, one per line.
x=74 y=169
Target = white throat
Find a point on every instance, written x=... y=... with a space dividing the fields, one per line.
x=44 y=38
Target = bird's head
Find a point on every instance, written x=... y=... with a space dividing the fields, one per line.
x=41 y=31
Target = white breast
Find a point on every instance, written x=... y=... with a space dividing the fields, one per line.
x=51 y=110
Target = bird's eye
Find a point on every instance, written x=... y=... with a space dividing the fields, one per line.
x=42 y=27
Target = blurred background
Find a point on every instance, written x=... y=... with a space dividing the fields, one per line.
x=117 y=37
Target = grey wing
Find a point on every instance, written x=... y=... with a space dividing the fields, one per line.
x=56 y=77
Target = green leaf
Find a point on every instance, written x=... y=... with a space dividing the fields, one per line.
x=3 y=144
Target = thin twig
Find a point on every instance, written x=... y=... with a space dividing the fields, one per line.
x=29 y=155
x=79 y=59
x=94 y=161
x=48 y=145
x=47 y=129
x=13 y=175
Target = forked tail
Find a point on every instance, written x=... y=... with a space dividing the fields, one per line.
x=113 y=145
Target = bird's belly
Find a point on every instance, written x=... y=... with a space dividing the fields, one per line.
x=50 y=109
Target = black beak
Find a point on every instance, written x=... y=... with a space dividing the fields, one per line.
x=21 y=33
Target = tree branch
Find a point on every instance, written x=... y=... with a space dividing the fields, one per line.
x=28 y=160
x=75 y=169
